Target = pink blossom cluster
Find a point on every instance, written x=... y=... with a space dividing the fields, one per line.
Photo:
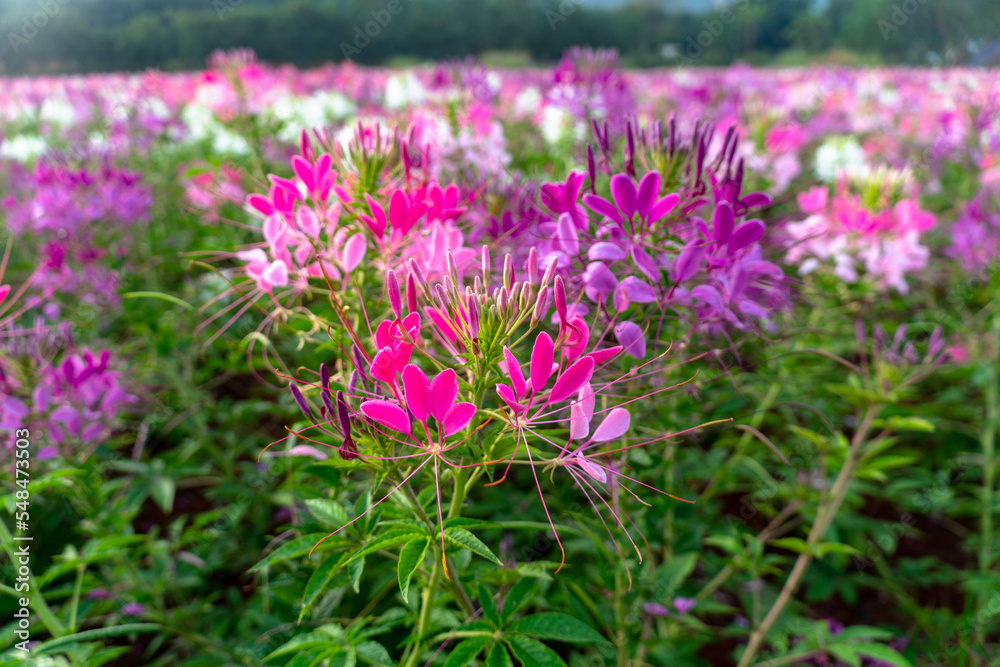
x=76 y=218
x=880 y=236
x=76 y=401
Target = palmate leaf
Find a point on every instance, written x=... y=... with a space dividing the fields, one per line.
x=558 y=626
x=321 y=580
x=883 y=653
x=410 y=558
x=297 y=547
x=389 y=539
x=498 y=657
x=516 y=597
x=466 y=651
x=534 y=653
x=467 y=540
x=329 y=512
x=488 y=606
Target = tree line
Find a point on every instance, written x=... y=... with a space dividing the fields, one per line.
x=48 y=36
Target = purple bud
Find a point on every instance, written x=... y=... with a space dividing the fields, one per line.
x=533 y=266
x=936 y=343
x=897 y=340
x=591 y=169
x=550 y=271
x=343 y=415
x=411 y=293
x=508 y=270
x=541 y=307
x=324 y=381
x=560 y=291
x=472 y=306
x=684 y=605
x=359 y=358
x=418 y=274
x=352 y=382
x=655 y=609
x=452 y=266
x=300 y=399
x=485 y=262
x=395 y=300
x=878 y=333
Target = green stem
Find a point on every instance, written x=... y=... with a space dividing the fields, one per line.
x=989 y=445
x=425 y=611
x=74 y=605
x=38 y=603
x=824 y=517
x=621 y=634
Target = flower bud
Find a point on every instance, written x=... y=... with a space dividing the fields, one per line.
x=485 y=261
x=324 y=383
x=452 y=266
x=560 y=292
x=541 y=307
x=508 y=270
x=300 y=399
x=395 y=300
x=411 y=293
x=418 y=275
x=550 y=271
x=533 y=266
x=472 y=307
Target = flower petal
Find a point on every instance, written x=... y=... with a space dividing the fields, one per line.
x=592 y=469
x=542 y=356
x=514 y=372
x=649 y=189
x=572 y=379
x=388 y=414
x=723 y=221
x=417 y=389
x=443 y=392
x=383 y=368
x=632 y=340
x=581 y=412
x=614 y=425
x=747 y=233
x=623 y=190
x=458 y=418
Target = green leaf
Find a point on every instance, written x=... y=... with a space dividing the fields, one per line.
x=309 y=640
x=92 y=635
x=909 y=424
x=375 y=654
x=467 y=540
x=464 y=522
x=329 y=512
x=498 y=657
x=354 y=570
x=489 y=606
x=390 y=539
x=162 y=490
x=516 y=598
x=559 y=626
x=320 y=581
x=297 y=547
x=864 y=632
x=836 y=548
x=845 y=653
x=796 y=544
x=883 y=653
x=163 y=297
x=465 y=652
x=534 y=653
x=410 y=558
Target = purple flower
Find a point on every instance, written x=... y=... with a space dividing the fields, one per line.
x=684 y=605
x=133 y=609
x=655 y=609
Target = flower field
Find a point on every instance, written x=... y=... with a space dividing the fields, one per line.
x=459 y=365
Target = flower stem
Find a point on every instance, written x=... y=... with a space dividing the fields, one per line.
x=824 y=517
x=426 y=606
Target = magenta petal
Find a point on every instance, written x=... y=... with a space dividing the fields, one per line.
x=417 y=388
x=649 y=190
x=614 y=425
x=506 y=394
x=599 y=281
x=664 y=206
x=592 y=469
x=600 y=356
x=382 y=367
x=623 y=190
x=388 y=414
x=458 y=418
x=607 y=251
x=354 y=251
x=572 y=379
x=514 y=372
x=581 y=412
x=723 y=221
x=689 y=261
x=542 y=356
x=632 y=340
x=444 y=391
x=567 y=238
x=747 y=233
x=602 y=206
